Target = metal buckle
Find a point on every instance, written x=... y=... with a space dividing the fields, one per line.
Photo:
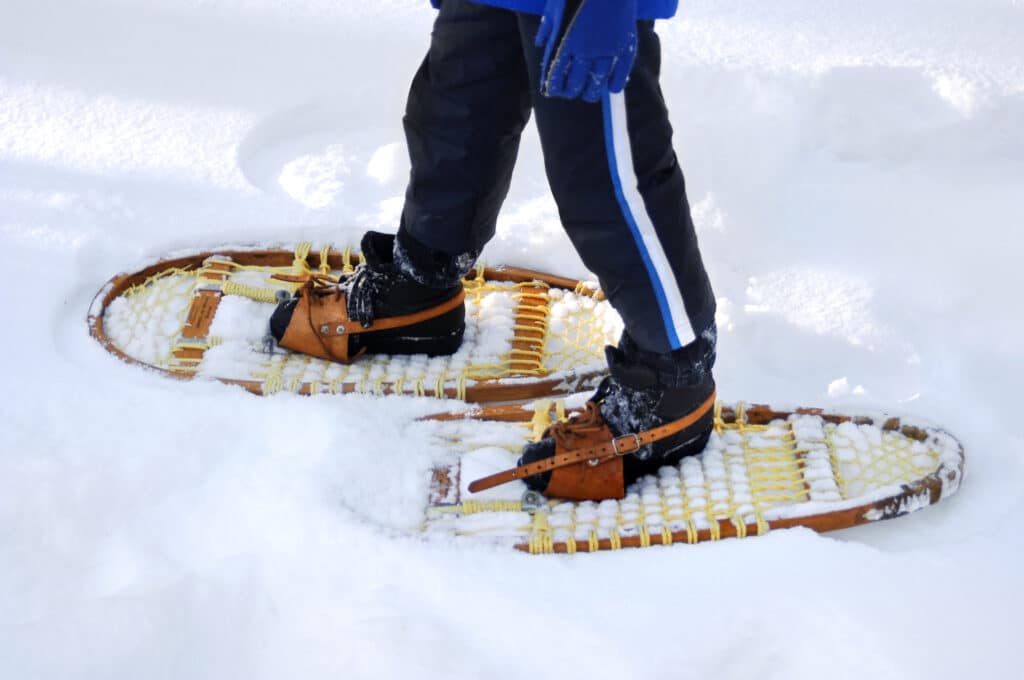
x=636 y=441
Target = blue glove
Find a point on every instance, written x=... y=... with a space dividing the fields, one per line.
x=595 y=53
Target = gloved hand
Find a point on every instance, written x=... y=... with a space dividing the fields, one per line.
x=595 y=52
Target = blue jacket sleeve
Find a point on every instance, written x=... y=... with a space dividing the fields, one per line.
x=646 y=9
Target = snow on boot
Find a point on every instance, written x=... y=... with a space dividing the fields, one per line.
x=379 y=309
x=653 y=410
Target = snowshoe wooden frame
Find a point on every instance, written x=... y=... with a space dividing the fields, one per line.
x=447 y=497
x=528 y=340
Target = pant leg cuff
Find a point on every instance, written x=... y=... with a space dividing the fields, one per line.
x=644 y=369
x=430 y=267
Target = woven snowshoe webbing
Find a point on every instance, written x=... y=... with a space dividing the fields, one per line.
x=623 y=445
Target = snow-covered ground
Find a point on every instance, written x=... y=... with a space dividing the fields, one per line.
x=857 y=175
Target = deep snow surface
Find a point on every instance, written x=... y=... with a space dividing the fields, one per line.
x=856 y=172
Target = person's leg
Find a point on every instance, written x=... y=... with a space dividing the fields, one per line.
x=467 y=108
x=622 y=199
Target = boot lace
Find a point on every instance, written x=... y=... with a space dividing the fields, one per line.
x=567 y=433
x=361 y=289
x=586 y=422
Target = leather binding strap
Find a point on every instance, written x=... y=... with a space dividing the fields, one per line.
x=321 y=327
x=595 y=455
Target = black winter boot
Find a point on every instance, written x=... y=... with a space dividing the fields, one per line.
x=646 y=390
x=378 y=290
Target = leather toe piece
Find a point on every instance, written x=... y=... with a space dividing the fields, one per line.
x=281 y=318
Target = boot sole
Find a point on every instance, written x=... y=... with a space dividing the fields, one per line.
x=440 y=336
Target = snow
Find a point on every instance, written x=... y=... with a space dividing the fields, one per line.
x=855 y=171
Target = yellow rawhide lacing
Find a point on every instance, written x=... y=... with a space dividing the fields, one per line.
x=301 y=263
x=748 y=471
x=888 y=460
x=252 y=292
x=346 y=257
x=325 y=265
x=540 y=534
x=152 y=314
x=558 y=331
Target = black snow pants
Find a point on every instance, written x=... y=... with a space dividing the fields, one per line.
x=611 y=167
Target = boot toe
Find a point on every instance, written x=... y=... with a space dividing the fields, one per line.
x=532 y=453
x=281 y=318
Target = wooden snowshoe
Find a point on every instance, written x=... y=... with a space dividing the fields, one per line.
x=528 y=334
x=764 y=468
